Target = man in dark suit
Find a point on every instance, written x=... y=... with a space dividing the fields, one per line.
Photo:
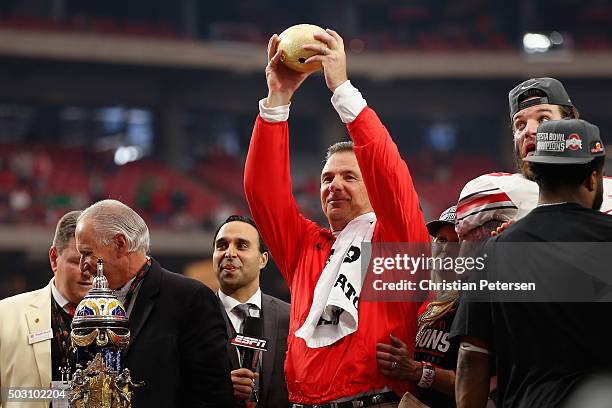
x=238 y=258
x=178 y=337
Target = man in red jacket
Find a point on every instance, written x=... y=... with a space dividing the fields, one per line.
x=331 y=358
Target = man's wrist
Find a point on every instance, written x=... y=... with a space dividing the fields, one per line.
x=275 y=114
x=428 y=375
x=348 y=102
x=418 y=373
x=276 y=99
x=334 y=87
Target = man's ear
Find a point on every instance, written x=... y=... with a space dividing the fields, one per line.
x=53 y=258
x=591 y=181
x=263 y=260
x=121 y=244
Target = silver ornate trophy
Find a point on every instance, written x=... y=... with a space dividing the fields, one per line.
x=99 y=335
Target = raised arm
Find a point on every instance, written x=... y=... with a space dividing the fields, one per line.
x=388 y=181
x=267 y=176
x=385 y=173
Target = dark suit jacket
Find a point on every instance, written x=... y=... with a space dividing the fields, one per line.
x=178 y=344
x=275 y=314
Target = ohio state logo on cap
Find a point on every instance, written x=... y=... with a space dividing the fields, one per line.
x=573 y=142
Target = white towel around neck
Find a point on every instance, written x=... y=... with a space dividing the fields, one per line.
x=336 y=294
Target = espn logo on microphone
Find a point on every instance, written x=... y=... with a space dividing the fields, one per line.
x=250 y=342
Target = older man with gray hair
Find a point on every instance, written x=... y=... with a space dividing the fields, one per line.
x=178 y=336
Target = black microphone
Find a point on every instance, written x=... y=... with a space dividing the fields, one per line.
x=250 y=343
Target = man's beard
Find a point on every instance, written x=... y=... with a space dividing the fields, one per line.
x=598 y=195
x=521 y=165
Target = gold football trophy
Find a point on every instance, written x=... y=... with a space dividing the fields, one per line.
x=290 y=46
x=99 y=335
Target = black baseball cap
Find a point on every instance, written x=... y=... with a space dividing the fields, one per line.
x=552 y=88
x=448 y=217
x=567 y=141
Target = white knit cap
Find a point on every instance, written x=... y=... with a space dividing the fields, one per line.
x=494 y=196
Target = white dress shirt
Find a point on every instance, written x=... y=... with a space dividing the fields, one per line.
x=235 y=316
x=59 y=298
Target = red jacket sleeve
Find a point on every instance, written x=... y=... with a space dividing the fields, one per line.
x=387 y=181
x=267 y=186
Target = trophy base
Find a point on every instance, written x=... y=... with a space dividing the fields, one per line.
x=97 y=387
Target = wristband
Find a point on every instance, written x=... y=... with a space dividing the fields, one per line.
x=428 y=375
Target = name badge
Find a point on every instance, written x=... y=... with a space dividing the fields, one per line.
x=37 y=337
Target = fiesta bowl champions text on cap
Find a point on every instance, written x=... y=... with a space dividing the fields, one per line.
x=567 y=141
